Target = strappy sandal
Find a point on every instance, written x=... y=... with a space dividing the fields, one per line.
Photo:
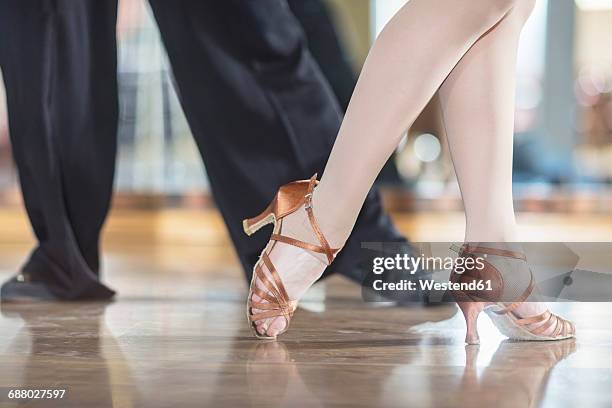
x=275 y=300
x=502 y=314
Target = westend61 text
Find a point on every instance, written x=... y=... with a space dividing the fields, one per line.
x=406 y=285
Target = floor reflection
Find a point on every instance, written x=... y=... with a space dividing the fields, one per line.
x=517 y=375
x=341 y=367
x=271 y=363
x=65 y=346
x=180 y=351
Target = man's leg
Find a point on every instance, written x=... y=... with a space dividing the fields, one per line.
x=332 y=57
x=59 y=64
x=326 y=47
x=260 y=110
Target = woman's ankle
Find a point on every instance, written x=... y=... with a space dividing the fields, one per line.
x=494 y=231
x=335 y=225
x=297 y=225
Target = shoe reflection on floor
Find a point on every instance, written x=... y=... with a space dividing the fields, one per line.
x=66 y=348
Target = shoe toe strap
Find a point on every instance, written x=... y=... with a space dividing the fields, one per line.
x=276 y=297
x=534 y=319
x=548 y=322
x=264 y=295
x=269 y=314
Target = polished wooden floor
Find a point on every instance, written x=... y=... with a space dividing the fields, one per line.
x=177 y=335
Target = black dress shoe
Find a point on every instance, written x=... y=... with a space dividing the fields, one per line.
x=21 y=288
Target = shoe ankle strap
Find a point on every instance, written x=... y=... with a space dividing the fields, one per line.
x=323 y=247
x=467 y=249
x=329 y=252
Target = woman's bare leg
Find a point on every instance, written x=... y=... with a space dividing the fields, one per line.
x=477 y=101
x=409 y=61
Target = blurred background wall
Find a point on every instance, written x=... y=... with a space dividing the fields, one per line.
x=563 y=148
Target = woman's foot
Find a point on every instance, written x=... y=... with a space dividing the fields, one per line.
x=297 y=268
x=530 y=309
x=294 y=259
x=512 y=303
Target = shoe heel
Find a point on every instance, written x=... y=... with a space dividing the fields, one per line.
x=471 y=310
x=252 y=225
x=287 y=200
